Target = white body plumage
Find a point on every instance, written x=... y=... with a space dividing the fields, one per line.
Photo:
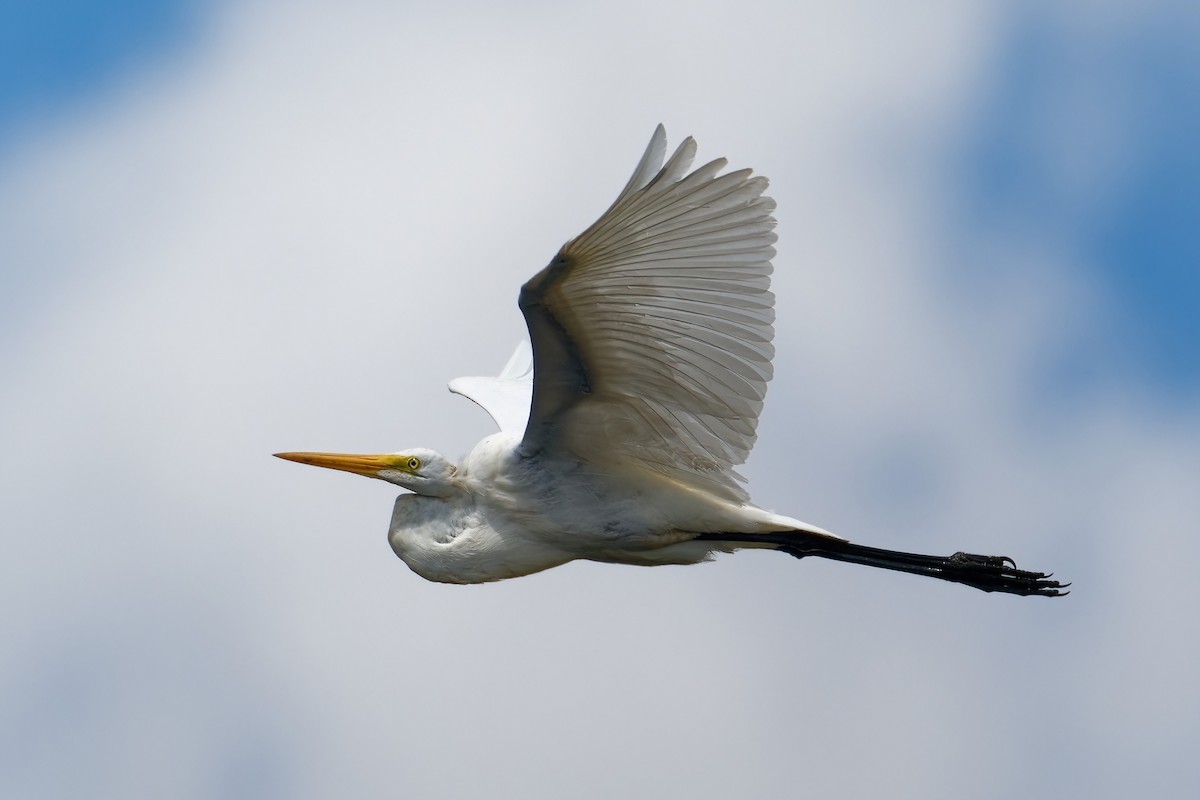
x=501 y=515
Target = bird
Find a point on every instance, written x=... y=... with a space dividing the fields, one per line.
x=624 y=417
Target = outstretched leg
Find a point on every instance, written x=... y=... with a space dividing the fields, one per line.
x=989 y=573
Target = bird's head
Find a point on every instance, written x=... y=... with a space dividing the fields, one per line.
x=419 y=470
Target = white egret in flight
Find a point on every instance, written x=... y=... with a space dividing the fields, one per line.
x=620 y=432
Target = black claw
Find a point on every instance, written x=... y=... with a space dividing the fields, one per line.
x=997 y=574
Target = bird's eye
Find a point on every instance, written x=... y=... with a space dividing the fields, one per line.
x=414 y=463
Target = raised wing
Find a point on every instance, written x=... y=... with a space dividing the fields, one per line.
x=507 y=397
x=652 y=329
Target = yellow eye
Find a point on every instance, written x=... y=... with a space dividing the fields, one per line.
x=414 y=463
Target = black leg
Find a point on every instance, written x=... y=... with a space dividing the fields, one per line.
x=988 y=573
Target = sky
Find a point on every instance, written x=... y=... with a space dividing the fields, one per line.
x=231 y=229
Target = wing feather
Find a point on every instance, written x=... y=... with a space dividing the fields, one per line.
x=652 y=330
x=505 y=398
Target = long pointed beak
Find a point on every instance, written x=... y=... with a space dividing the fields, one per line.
x=368 y=465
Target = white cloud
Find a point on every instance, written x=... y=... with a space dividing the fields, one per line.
x=283 y=241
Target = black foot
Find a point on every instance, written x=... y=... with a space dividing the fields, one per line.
x=999 y=574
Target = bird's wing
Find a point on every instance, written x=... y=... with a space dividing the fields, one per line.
x=507 y=397
x=652 y=329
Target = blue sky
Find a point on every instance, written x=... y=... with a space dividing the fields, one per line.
x=1135 y=237
x=58 y=52
x=1135 y=233
x=233 y=229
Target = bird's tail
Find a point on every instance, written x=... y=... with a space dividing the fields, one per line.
x=988 y=573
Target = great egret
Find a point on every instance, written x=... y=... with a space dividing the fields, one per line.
x=651 y=336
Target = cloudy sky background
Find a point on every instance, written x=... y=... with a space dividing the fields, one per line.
x=230 y=229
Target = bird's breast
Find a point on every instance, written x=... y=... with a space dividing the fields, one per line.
x=455 y=540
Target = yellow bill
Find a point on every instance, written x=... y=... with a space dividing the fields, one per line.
x=368 y=465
